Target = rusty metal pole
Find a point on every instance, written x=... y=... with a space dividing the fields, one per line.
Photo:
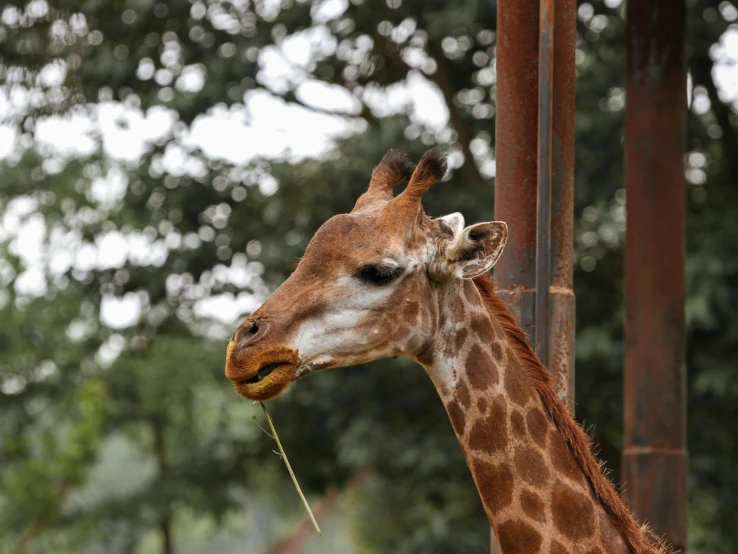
x=543 y=204
x=516 y=147
x=655 y=457
x=561 y=335
x=517 y=157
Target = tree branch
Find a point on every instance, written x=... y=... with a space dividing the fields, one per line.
x=389 y=49
x=365 y=113
x=295 y=540
x=702 y=73
x=35 y=526
x=28 y=533
x=291 y=95
x=469 y=170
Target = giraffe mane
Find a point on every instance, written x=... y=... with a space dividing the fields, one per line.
x=639 y=538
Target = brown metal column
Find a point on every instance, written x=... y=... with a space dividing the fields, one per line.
x=562 y=323
x=517 y=157
x=543 y=202
x=516 y=147
x=655 y=457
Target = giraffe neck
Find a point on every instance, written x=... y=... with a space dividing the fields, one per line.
x=536 y=496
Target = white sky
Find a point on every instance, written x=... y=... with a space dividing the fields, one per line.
x=266 y=128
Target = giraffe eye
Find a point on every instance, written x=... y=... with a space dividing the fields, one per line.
x=378 y=274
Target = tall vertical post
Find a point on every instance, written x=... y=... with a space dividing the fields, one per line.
x=562 y=322
x=655 y=457
x=520 y=129
x=543 y=203
x=517 y=157
x=516 y=147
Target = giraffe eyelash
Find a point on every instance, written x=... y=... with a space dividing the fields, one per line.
x=377 y=274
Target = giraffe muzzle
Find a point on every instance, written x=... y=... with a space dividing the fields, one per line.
x=262 y=373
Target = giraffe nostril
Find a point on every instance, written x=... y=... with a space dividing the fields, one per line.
x=249 y=333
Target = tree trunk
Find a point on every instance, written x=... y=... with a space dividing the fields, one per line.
x=165 y=523
x=166 y=536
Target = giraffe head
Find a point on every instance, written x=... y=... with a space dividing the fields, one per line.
x=369 y=285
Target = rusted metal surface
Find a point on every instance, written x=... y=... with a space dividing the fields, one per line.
x=561 y=342
x=543 y=203
x=562 y=200
x=563 y=317
x=516 y=155
x=655 y=457
x=516 y=146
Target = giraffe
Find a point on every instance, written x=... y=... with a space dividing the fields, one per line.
x=387 y=280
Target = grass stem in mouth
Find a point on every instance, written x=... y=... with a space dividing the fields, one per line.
x=289 y=468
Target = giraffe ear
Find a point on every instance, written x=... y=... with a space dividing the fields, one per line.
x=454 y=221
x=476 y=249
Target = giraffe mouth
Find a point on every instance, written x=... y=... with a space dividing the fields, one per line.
x=262 y=373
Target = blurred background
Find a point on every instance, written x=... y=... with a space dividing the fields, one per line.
x=162 y=165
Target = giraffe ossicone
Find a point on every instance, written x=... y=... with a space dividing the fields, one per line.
x=387 y=280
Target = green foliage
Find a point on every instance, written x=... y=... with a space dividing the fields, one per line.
x=51 y=457
x=78 y=395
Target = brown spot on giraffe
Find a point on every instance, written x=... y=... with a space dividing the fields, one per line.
x=482 y=405
x=531 y=465
x=533 y=506
x=563 y=462
x=573 y=512
x=490 y=434
x=456 y=415
x=460 y=339
x=537 y=427
x=497 y=484
x=558 y=548
x=517 y=387
x=479 y=324
x=462 y=393
x=517 y=423
x=481 y=372
x=496 y=350
x=519 y=537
